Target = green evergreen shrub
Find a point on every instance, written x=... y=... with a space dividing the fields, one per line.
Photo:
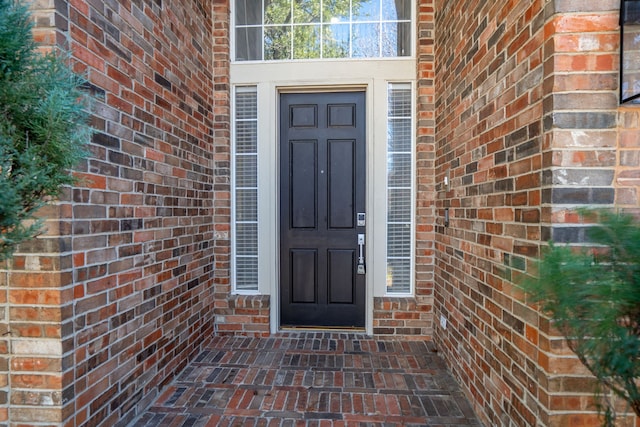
x=593 y=298
x=43 y=126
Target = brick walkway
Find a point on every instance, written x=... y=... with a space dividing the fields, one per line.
x=313 y=379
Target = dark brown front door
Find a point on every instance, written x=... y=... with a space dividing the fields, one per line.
x=322 y=191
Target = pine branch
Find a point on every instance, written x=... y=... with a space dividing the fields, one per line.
x=43 y=126
x=595 y=303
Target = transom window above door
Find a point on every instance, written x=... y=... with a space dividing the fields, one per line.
x=272 y=30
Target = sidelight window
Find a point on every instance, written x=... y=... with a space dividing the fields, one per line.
x=245 y=189
x=271 y=30
x=399 y=188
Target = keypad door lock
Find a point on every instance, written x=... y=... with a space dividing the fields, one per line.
x=361 y=268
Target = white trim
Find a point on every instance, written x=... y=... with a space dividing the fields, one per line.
x=322 y=73
x=268 y=260
x=273 y=78
x=414 y=181
x=377 y=194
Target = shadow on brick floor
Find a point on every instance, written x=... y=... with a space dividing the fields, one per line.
x=313 y=379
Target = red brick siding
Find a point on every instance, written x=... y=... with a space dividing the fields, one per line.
x=516 y=105
x=222 y=152
x=489 y=109
x=234 y=314
x=412 y=317
x=246 y=315
x=581 y=117
x=131 y=286
x=586 y=162
x=35 y=299
x=527 y=130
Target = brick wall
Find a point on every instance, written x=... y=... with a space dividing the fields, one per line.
x=234 y=314
x=527 y=130
x=116 y=298
x=32 y=353
x=35 y=302
x=516 y=106
x=586 y=163
x=489 y=64
x=412 y=317
x=581 y=117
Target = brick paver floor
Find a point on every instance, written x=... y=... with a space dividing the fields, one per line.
x=313 y=379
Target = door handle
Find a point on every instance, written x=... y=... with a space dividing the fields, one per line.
x=361 y=269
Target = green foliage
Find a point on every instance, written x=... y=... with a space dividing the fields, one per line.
x=43 y=126
x=593 y=297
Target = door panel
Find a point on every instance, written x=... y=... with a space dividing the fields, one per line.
x=322 y=188
x=341 y=195
x=303 y=271
x=303 y=166
x=304 y=116
x=342 y=115
x=341 y=283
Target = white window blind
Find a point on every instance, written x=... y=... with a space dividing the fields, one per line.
x=399 y=188
x=245 y=190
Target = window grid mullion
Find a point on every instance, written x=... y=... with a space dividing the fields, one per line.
x=379 y=21
x=399 y=241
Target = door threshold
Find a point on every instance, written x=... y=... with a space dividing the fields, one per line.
x=322 y=329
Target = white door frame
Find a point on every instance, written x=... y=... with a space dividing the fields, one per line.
x=271 y=79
